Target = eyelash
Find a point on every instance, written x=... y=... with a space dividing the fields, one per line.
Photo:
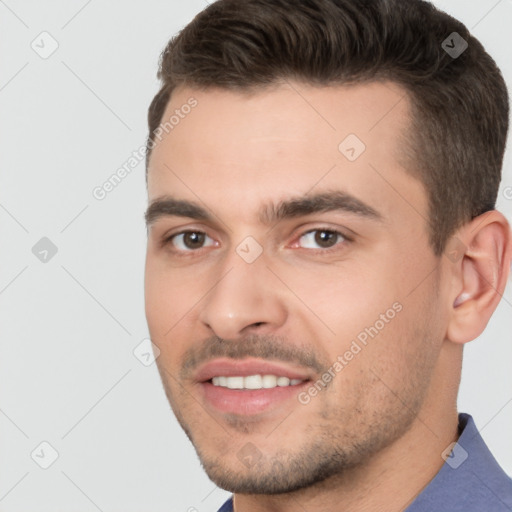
x=190 y=252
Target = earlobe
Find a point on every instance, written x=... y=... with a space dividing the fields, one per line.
x=480 y=276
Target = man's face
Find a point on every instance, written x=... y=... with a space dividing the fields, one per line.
x=326 y=312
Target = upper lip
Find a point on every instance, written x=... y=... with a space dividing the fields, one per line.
x=250 y=366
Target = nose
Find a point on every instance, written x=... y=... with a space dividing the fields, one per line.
x=245 y=297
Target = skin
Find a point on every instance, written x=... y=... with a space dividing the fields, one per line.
x=373 y=438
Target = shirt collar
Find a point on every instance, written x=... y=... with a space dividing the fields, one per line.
x=469 y=480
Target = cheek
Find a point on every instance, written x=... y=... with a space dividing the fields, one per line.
x=155 y=302
x=172 y=302
x=347 y=299
x=363 y=320
x=163 y=303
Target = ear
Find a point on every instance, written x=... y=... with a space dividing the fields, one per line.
x=480 y=273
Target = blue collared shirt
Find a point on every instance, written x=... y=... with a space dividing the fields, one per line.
x=470 y=480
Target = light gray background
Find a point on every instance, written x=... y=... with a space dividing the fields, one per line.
x=68 y=375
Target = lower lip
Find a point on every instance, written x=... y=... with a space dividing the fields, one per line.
x=248 y=401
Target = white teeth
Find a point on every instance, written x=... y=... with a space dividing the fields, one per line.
x=283 y=381
x=235 y=382
x=254 y=382
x=269 y=381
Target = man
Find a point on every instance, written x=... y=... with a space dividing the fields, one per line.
x=322 y=177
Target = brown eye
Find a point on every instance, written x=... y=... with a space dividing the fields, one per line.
x=193 y=240
x=321 y=239
x=190 y=240
x=326 y=239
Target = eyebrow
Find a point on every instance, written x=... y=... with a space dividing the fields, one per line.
x=270 y=213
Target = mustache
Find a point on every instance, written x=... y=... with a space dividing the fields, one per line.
x=265 y=347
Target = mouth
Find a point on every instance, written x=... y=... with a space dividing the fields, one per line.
x=250 y=386
x=254 y=381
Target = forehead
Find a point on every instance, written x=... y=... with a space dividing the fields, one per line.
x=240 y=148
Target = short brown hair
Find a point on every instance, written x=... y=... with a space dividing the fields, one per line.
x=459 y=104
